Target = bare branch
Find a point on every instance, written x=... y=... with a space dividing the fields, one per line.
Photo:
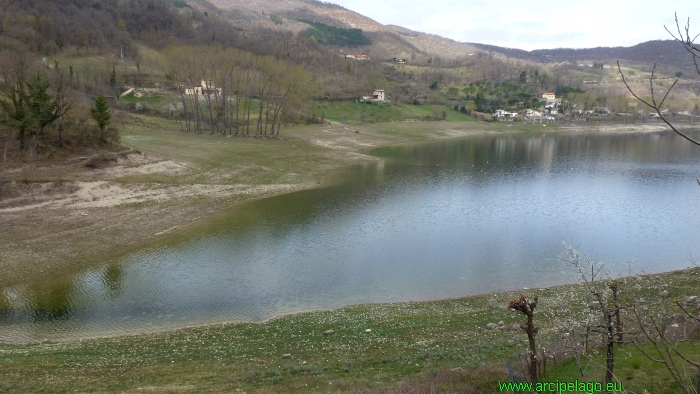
x=653 y=105
x=688 y=313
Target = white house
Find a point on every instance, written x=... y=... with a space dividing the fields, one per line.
x=500 y=113
x=207 y=88
x=531 y=113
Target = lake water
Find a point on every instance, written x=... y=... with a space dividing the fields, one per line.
x=430 y=221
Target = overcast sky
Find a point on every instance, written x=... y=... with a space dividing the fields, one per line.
x=534 y=24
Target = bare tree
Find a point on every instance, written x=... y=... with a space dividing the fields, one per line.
x=601 y=284
x=657 y=100
x=663 y=346
x=527 y=307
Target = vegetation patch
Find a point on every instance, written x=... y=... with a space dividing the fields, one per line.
x=179 y=3
x=331 y=35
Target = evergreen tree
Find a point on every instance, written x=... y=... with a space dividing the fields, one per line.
x=42 y=109
x=15 y=106
x=100 y=112
x=113 y=77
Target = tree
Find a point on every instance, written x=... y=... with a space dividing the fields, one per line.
x=113 y=77
x=100 y=112
x=527 y=307
x=605 y=291
x=15 y=106
x=42 y=109
x=655 y=102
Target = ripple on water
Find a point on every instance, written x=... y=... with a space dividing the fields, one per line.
x=435 y=221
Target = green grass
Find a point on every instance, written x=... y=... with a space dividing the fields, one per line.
x=634 y=371
x=358 y=113
x=150 y=100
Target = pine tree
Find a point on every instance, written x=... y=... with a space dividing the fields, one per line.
x=41 y=107
x=100 y=112
x=113 y=77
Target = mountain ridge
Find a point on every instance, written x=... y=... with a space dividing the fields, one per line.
x=397 y=41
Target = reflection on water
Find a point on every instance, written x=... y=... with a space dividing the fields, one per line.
x=437 y=220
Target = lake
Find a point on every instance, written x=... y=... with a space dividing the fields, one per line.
x=434 y=220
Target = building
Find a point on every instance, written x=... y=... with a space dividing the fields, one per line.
x=549 y=96
x=206 y=89
x=500 y=113
x=398 y=60
x=378 y=96
x=532 y=114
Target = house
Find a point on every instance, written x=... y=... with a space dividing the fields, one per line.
x=398 y=61
x=500 y=113
x=378 y=96
x=357 y=56
x=206 y=89
x=549 y=96
x=532 y=114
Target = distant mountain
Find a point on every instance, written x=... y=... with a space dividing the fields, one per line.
x=396 y=41
x=387 y=40
x=668 y=54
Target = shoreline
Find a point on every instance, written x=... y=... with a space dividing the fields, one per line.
x=693 y=271
x=66 y=217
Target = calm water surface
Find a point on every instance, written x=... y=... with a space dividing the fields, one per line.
x=436 y=220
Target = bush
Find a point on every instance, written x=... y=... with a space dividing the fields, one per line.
x=483 y=117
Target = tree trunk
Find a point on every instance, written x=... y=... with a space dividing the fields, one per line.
x=610 y=353
x=533 y=349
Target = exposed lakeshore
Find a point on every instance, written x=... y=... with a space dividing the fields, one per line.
x=60 y=216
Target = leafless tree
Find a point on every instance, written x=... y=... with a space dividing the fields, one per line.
x=657 y=99
x=664 y=348
x=601 y=283
x=527 y=307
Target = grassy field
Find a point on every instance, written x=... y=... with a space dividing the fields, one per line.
x=442 y=346
x=359 y=113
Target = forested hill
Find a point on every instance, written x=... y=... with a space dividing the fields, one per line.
x=48 y=27
x=665 y=53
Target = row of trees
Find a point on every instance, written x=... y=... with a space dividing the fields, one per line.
x=225 y=90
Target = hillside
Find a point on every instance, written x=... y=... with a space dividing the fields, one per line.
x=396 y=41
x=388 y=40
x=669 y=55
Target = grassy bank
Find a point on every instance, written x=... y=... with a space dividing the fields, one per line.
x=363 y=113
x=443 y=345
